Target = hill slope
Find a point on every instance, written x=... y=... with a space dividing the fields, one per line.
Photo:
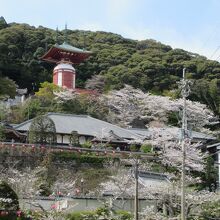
x=148 y=65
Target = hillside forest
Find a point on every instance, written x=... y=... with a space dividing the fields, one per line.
x=137 y=87
x=147 y=65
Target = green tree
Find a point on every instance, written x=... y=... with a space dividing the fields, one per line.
x=210 y=210
x=148 y=65
x=210 y=175
x=74 y=138
x=47 y=90
x=8 y=197
x=2 y=133
x=208 y=92
x=42 y=130
x=7 y=88
x=3 y=23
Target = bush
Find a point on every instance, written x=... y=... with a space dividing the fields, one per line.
x=211 y=210
x=86 y=144
x=173 y=119
x=74 y=138
x=45 y=189
x=124 y=215
x=77 y=215
x=2 y=133
x=146 y=148
x=82 y=158
x=101 y=213
x=133 y=148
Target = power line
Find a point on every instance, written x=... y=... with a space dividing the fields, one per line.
x=213 y=33
x=218 y=57
x=214 y=52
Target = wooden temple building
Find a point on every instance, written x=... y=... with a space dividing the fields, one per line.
x=65 y=56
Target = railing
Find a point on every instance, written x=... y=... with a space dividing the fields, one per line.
x=65 y=148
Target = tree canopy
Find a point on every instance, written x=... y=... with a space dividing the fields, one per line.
x=42 y=131
x=8 y=197
x=148 y=65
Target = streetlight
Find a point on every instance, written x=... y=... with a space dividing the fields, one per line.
x=136 y=199
x=185 y=90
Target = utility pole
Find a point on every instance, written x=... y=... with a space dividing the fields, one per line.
x=185 y=90
x=136 y=190
x=218 y=168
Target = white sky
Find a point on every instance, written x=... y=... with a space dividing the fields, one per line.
x=192 y=25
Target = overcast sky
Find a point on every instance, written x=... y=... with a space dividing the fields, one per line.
x=193 y=25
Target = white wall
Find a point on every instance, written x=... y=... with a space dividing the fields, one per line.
x=65 y=139
x=60 y=79
x=59 y=139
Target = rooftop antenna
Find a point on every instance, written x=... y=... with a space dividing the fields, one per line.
x=65 y=34
x=84 y=40
x=57 y=35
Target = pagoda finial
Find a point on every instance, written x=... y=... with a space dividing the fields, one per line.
x=65 y=34
x=84 y=41
x=57 y=35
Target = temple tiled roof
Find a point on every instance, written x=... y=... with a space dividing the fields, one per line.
x=67 y=52
x=68 y=47
x=82 y=124
x=174 y=131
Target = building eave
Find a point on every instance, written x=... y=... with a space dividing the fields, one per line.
x=76 y=56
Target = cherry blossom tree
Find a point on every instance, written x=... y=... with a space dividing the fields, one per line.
x=64 y=95
x=167 y=196
x=97 y=82
x=22 y=181
x=129 y=104
x=167 y=142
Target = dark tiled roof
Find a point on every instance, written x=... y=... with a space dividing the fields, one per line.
x=83 y=124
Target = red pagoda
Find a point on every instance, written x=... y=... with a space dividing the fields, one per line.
x=65 y=55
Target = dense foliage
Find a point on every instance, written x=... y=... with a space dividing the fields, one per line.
x=211 y=210
x=2 y=133
x=46 y=101
x=80 y=158
x=8 y=197
x=210 y=176
x=7 y=88
x=100 y=213
x=148 y=65
x=42 y=130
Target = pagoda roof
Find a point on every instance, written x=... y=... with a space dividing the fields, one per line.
x=67 y=52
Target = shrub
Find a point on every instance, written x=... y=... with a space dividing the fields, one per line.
x=79 y=215
x=45 y=189
x=173 y=119
x=146 y=148
x=74 y=138
x=2 y=133
x=211 y=210
x=133 y=148
x=124 y=215
x=82 y=158
x=42 y=130
x=87 y=144
x=100 y=213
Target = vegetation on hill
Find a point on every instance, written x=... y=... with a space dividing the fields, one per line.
x=148 y=65
x=8 y=197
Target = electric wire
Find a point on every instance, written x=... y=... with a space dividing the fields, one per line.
x=215 y=52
